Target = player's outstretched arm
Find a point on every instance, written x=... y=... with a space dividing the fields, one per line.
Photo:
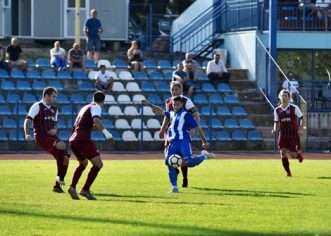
x=155 y=108
x=164 y=127
x=99 y=126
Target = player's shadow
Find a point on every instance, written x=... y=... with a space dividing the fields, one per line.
x=324 y=177
x=250 y=193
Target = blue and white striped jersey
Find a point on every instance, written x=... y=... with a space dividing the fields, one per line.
x=180 y=124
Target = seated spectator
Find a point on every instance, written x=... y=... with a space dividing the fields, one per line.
x=3 y=63
x=190 y=66
x=103 y=79
x=291 y=87
x=216 y=70
x=323 y=12
x=14 y=53
x=76 y=57
x=58 y=56
x=181 y=76
x=135 y=57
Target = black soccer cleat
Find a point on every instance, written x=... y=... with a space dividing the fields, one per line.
x=57 y=189
x=185 y=183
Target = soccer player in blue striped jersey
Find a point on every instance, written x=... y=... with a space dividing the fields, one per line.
x=182 y=126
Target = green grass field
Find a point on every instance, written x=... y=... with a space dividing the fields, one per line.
x=225 y=197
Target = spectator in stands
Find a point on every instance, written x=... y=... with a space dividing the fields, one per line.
x=103 y=79
x=76 y=57
x=135 y=56
x=190 y=66
x=92 y=30
x=181 y=76
x=323 y=12
x=15 y=56
x=58 y=56
x=216 y=70
x=291 y=87
x=3 y=63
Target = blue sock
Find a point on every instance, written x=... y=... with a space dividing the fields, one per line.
x=195 y=161
x=172 y=176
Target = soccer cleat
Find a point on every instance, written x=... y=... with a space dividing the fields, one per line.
x=57 y=189
x=87 y=194
x=208 y=155
x=289 y=174
x=60 y=180
x=73 y=193
x=185 y=183
x=174 y=189
x=299 y=155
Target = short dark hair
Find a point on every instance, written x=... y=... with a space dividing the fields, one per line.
x=178 y=99
x=49 y=91
x=98 y=96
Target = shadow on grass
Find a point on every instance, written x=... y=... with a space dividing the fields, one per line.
x=165 y=228
x=250 y=193
x=324 y=177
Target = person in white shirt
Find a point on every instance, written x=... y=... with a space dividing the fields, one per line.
x=216 y=70
x=103 y=79
x=291 y=87
x=58 y=56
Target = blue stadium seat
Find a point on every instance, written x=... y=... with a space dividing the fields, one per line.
x=223 y=111
x=200 y=99
x=224 y=88
x=230 y=124
x=17 y=74
x=8 y=85
x=108 y=124
x=168 y=76
x=149 y=64
x=29 y=98
x=23 y=85
x=164 y=65
x=97 y=136
x=3 y=136
x=216 y=99
x=42 y=63
x=31 y=62
x=64 y=75
x=33 y=74
x=223 y=135
x=4 y=110
x=140 y=75
x=56 y=84
x=79 y=75
x=203 y=124
x=86 y=86
x=254 y=136
x=9 y=124
x=116 y=135
x=62 y=99
x=175 y=63
x=202 y=76
x=48 y=75
x=66 y=110
x=120 y=64
x=155 y=99
x=162 y=86
x=2 y=99
x=21 y=110
x=89 y=98
x=90 y=64
x=155 y=75
x=77 y=98
x=4 y=74
x=70 y=123
x=231 y=99
x=205 y=111
x=239 y=111
x=13 y=98
x=204 y=65
x=246 y=124
x=38 y=85
x=147 y=87
x=61 y=124
x=13 y=135
x=64 y=135
x=216 y=124
x=208 y=87
x=238 y=135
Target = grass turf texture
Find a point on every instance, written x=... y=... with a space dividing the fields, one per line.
x=225 y=197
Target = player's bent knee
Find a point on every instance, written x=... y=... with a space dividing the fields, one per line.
x=60 y=145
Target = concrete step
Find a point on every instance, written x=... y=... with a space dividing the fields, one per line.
x=238 y=74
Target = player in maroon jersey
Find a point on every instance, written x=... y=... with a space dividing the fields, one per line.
x=43 y=116
x=85 y=150
x=176 y=90
x=288 y=123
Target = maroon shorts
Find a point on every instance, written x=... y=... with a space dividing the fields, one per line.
x=48 y=143
x=84 y=149
x=292 y=144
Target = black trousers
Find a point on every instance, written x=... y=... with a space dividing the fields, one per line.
x=215 y=78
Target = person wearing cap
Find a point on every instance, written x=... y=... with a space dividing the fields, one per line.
x=93 y=29
x=216 y=70
x=76 y=57
x=103 y=79
x=181 y=76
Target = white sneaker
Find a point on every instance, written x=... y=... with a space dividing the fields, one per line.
x=208 y=155
x=174 y=189
x=60 y=181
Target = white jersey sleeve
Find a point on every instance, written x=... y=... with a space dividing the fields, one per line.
x=34 y=110
x=276 y=118
x=96 y=110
